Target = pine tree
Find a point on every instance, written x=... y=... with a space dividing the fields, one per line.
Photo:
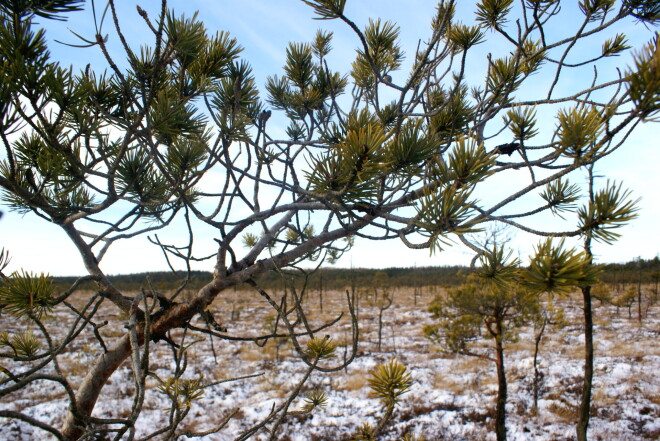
x=132 y=151
x=495 y=299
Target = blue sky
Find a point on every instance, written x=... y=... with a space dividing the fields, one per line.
x=263 y=28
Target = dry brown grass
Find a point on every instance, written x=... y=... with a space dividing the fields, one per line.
x=462 y=375
x=564 y=411
x=254 y=353
x=442 y=382
x=655 y=399
x=269 y=384
x=526 y=346
x=356 y=380
x=601 y=399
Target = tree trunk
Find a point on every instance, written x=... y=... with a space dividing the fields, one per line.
x=382 y=308
x=178 y=314
x=500 y=412
x=639 y=297
x=585 y=402
x=91 y=387
x=537 y=374
x=380 y=328
x=106 y=364
x=387 y=416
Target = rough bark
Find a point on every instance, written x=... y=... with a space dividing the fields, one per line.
x=500 y=411
x=177 y=315
x=92 y=385
x=585 y=401
x=639 y=297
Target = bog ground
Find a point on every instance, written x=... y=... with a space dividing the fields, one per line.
x=452 y=397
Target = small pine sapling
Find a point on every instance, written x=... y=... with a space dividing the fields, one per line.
x=388 y=382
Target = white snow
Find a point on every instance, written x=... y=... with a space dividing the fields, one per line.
x=453 y=397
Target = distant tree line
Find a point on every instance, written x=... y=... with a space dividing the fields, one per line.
x=617 y=274
x=329 y=278
x=646 y=271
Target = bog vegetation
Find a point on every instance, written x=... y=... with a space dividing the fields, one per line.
x=174 y=131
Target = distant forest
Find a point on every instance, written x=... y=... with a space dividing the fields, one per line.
x=644 y=271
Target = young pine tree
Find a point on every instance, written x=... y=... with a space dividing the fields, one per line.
x=493 y=299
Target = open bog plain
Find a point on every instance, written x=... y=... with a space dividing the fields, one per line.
x=452 y=396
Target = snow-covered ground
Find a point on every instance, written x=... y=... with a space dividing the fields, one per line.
x=453 y=397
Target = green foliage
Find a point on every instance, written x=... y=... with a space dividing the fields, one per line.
x=364 y=433
x=447 y=208
x=51 y=167
x=349 y=171
x=444 y=14
x=327 y=9
x=4 y=259
x=615 y=45
x=48 y=176
x=27 y=294
x=558 y=270
x=237 y=100
x=250 y=240
x=298 y=236
x=532 y=56
x=467 y=164
x=314 y=400
x=50 y=9
x=627 y=298
x=185 y=156
x=292 y=235
x=644 y=270
x=501 y=307
x=411 y=437
x=299 y=65
x=498 y=268
x=321 y=46
x=451 y=112
x=182 y=391
x=200 y=57
x=492 y=13
x=389 y=381
x=646 y=11
x=172 y=117
x=442 y=213
x=522 y=122
x=644 y=80
x=23 y=344
x=602 y=292
x=138 y=178
x=578 y=131
x=464 y=37
x=561 y=196
x=101 y=155
x=320 y=348
x=307 y=86
x=410 y=148
x=610 y=209
x=383 y=53
x=454 y=332
x=504 y=76
x=596 y=10
x=493 y=297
